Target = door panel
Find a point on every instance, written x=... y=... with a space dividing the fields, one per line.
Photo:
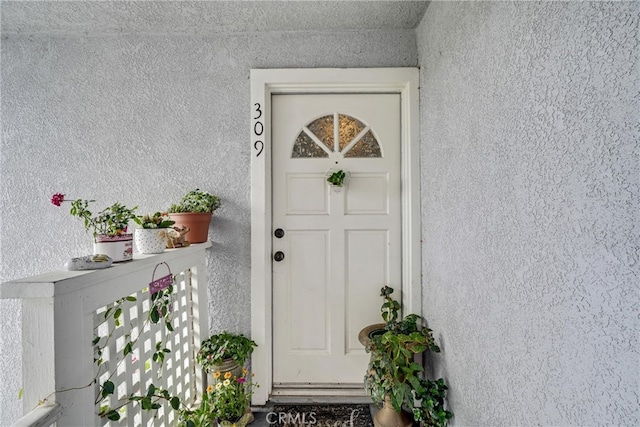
x=306 y=194
x=368 y=194
x=309 y=281
x=367 y=258
x=341 y=245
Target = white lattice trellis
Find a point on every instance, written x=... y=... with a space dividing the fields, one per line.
x=64 y=312
x=134 y=373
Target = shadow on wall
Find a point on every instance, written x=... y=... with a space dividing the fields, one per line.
x=229 y=268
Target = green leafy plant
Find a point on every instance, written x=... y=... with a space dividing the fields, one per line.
x=160 y=310
x=196 y=201
x=215 y=349
x=337 y=178
x=392 y=370
x=203 y=414
x=111 y=221
x=429 y=409
x=157 y=220
x=226 y=402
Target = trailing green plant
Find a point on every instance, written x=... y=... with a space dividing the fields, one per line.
x=337 y=178
x=227 y=401
x=429 y=408
x=230 y=397
x=392 y=370
x=151 y=399
x=196 y=201
x=215 y=349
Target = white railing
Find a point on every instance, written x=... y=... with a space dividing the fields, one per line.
x=64 y=312
x=44 y=415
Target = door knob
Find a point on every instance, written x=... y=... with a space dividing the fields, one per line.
x=279 y=233
x=278 y=256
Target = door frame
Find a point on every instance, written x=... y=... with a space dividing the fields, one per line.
x=266 y=82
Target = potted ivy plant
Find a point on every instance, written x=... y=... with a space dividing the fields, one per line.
x=151 y=237
x=225 y=352
x=338 y=178
x=109 y=226
x=194 y=211
x=393 y=379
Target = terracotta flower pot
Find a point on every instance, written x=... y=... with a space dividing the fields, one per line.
x=198 y=224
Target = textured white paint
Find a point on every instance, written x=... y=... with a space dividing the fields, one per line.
x=530 y=170
x=142 y=119
x=530 y=179
x=207 y=17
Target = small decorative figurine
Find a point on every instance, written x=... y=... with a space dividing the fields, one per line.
x=176 y=237
x=89 y=262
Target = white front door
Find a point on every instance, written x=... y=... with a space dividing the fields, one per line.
x=338 y=246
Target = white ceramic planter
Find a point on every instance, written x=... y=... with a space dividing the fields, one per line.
x=150 y=240
x=118 y=248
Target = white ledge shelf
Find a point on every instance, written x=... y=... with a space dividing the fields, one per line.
x=56 y=283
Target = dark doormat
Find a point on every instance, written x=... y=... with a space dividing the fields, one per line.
x=321 y=416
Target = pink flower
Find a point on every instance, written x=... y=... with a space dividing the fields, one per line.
x=57 y=199
x=241 y=380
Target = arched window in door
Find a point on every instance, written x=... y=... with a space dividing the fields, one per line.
x=337 y=133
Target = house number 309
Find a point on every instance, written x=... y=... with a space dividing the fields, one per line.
x=258 y=130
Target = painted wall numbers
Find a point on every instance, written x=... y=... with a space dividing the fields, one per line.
x=258 y=129
x=258 y=110
x=258 y=146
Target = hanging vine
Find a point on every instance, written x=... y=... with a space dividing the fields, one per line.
x=160 y=311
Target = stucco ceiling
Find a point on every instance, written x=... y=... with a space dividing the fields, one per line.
x=205 y=17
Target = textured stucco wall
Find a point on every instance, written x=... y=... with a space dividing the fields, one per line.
x=530 y=169
x=141 y=120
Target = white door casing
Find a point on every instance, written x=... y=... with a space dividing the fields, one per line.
x=265 y=84
x=340 y=245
